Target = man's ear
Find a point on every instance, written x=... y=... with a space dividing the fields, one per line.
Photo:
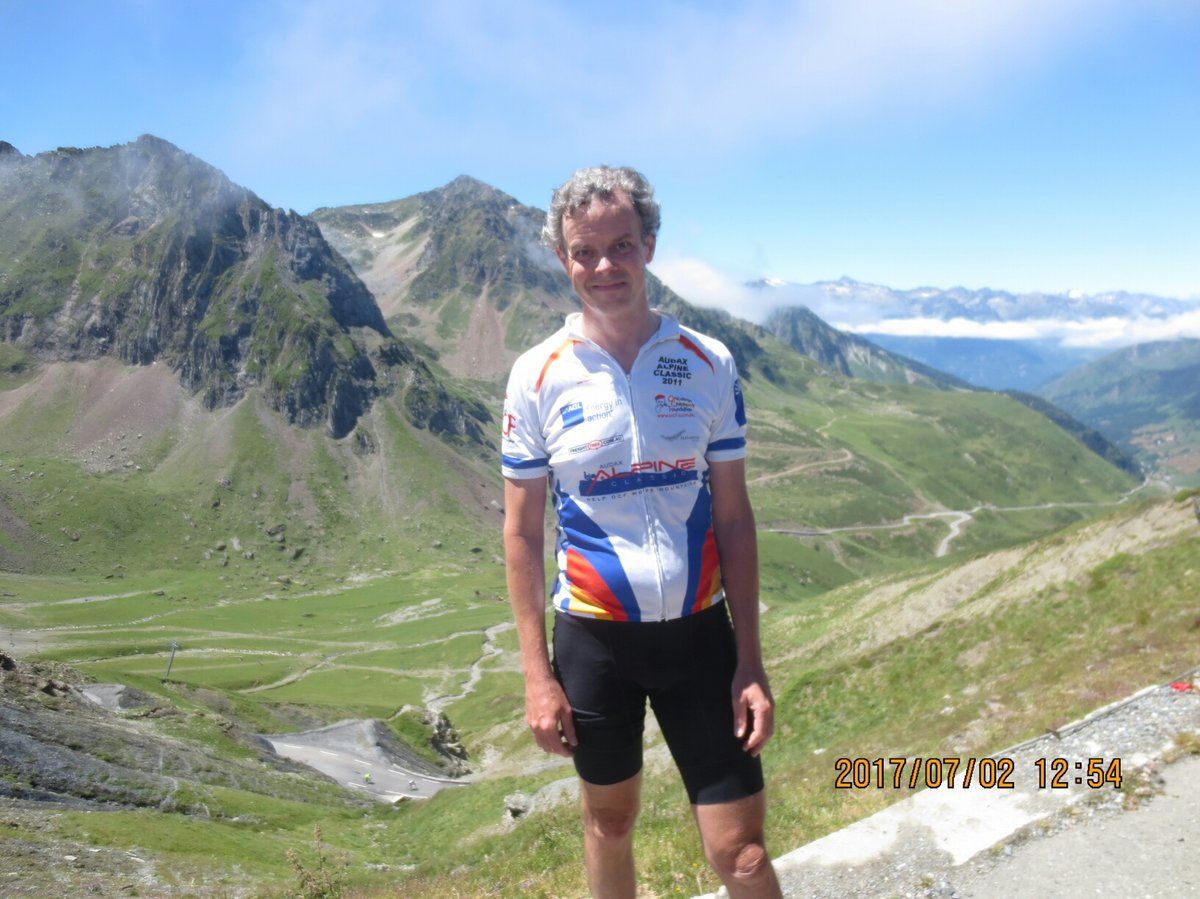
x=648 y=243
x=562 y=257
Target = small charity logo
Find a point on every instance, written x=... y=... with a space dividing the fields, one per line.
x=668 y=405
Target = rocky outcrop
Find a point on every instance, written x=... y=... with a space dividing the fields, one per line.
x=58 y=746
x=146 y=253
x=430 y=405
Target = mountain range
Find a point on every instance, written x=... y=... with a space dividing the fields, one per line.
x=995 y=339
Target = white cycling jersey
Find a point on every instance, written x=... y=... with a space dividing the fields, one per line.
x=628 y=457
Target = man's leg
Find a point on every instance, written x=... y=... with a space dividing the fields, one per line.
x=609 y=813
x=732 y=834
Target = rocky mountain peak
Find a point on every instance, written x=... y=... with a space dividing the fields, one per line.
x=146 y=252
x=7 y=149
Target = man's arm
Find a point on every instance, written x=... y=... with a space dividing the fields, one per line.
x=547 y=711
x=737 y=545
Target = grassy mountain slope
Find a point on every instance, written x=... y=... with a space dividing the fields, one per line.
x=108 y=468
x=1146 y=399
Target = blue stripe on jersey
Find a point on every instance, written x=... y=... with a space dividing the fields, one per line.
x=585 y=536
x=729 y=443
x=514 y=462
x=698 y=523
x=593 y=485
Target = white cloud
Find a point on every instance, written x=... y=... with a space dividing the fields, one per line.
x=703 y=284
x=1108 y=332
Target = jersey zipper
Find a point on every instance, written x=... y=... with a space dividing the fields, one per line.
x=643 y=495
x=636 y=456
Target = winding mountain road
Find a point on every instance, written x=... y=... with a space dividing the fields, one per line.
x=957 y=519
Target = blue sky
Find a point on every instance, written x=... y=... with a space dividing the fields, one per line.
x=1015 y=144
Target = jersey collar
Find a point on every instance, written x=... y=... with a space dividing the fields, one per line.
x=668 y=328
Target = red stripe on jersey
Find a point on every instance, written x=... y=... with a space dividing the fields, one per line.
x=689 y=344
x=710 y=573
x=569 y=342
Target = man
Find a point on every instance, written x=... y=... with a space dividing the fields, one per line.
x=639 y=424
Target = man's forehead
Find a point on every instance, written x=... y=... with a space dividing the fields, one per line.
x=603 y=212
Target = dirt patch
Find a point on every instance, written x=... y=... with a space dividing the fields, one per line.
x=480 y=353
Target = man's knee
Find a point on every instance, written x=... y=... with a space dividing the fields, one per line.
x=610 y=824
x=739 y=861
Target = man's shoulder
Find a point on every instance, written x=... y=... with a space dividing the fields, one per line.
x=707 y=347
x=532 y=363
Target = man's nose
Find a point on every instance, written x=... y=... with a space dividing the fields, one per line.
x=604 y=263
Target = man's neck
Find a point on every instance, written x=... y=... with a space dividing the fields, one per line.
x=621 y=337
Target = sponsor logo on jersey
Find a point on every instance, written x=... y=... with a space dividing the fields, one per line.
x=576 y=413
x=668 y=405
x=593 y=445
x=572 y=414
x=652 y=473
x=510 y=422
x=673 y=370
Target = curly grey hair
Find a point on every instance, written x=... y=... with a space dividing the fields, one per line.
x=600 y=181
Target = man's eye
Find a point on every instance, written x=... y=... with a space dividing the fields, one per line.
x=584 y=255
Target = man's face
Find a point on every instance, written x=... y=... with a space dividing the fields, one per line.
x=606 y=255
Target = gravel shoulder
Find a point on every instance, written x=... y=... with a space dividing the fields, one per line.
x=1142 y=839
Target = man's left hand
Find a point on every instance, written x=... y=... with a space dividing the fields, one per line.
x=753 y=707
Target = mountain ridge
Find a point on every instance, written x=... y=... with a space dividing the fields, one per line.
x=146 y=252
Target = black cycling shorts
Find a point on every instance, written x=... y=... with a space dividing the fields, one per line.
x=685 y=667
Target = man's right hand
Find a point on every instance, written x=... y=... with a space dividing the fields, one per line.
x=548 y=715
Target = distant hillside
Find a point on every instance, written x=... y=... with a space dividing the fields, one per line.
x=1145 y=398
x=991 y=364
x=1089 y=437
x=145 y=253
x=806 y=332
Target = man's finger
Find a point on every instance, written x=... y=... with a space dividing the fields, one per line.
x=764 y=727
x=740 y=711
x=550 y=740
x=568 y=728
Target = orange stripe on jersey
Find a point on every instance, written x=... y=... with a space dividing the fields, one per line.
x=569 y=342
x=689 y=344
x=710 y=574
x=589 y=592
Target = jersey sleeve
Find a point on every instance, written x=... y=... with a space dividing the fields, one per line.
x=523 y=452
x=728 y=440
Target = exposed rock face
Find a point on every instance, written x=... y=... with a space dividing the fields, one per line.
x=144 y=252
